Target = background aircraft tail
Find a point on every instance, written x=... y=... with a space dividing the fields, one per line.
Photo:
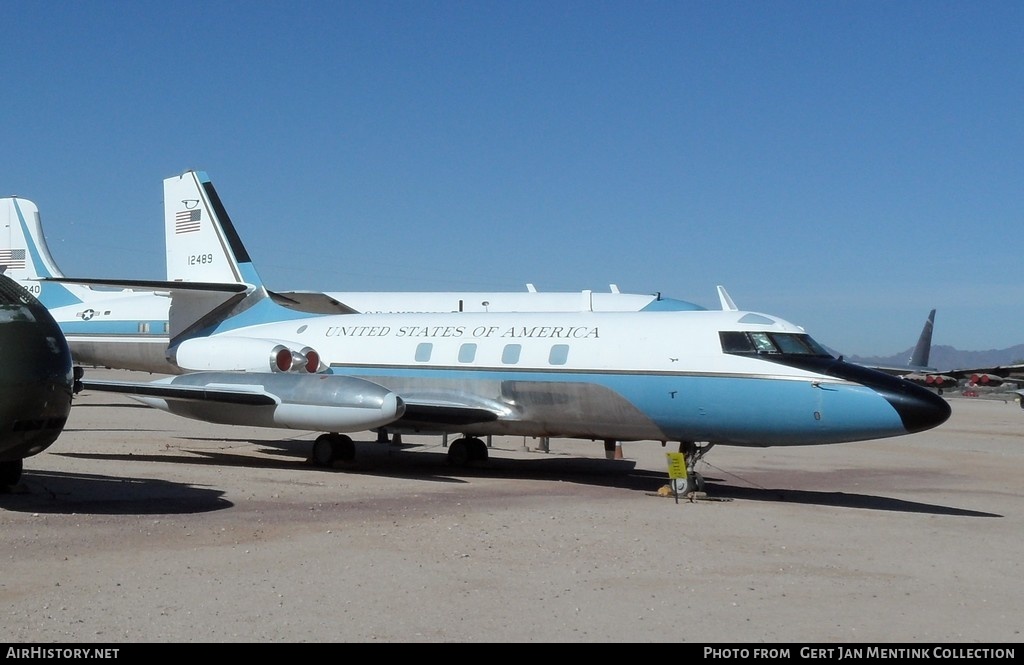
x=923 y=349
x=25 y=258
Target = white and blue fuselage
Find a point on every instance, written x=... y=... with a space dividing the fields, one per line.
x=730 y=377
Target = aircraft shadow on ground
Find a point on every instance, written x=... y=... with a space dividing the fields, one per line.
x=56 y=492
x=389 y=460
x=838 y=500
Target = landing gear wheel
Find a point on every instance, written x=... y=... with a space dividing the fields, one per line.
x=10 y=472
x=344 y=448
x=459 y=452
x=688 y=485
x=465 y=450
x=477 y=450
x=331 y=447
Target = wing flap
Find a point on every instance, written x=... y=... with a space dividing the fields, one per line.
x=419 y=414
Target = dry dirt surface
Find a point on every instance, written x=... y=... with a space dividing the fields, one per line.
x=139 y=526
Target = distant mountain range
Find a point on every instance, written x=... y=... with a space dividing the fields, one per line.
x=949 y=358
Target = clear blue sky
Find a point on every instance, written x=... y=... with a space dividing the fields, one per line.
x=844 y=165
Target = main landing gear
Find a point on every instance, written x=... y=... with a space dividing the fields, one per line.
x=465 y=450
x=331 y=447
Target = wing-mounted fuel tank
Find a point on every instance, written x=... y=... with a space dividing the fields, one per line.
x=243 y=354
x=317 y=402
x=36 y=379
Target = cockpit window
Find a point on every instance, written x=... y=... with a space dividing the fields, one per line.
x=771 y=343
x=763 y=343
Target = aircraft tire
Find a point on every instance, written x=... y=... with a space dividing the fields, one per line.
x=10 y=472
x=693 y=482
x=477 y=450
x=344 y=448
x=323 y=451
x=459 y=452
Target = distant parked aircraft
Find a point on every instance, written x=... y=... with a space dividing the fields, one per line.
x=920 y=372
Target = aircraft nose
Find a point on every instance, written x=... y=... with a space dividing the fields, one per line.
x=919 y=408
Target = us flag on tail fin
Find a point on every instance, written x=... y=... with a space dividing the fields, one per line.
x=14 y=259
x=187 y=221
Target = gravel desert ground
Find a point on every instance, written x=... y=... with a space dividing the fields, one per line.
x=139 y=526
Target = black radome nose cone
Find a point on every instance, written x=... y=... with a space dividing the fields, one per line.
x=920 y=409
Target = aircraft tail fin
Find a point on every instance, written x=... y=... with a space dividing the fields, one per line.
x=25 y=257
x=923 y=349
x=201 y=241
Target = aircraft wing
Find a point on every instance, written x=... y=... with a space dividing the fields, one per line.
x=295 y=401
x=1002 y=371
x=315 y=402
x=251 y=395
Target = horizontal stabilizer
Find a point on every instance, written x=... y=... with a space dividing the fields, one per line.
x=312 y=302
x=154 y=285
x=192 y=303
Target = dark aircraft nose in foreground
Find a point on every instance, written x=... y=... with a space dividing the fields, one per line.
x=36 y=379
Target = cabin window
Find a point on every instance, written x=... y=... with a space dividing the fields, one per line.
x=143 y=326
x=423 y=352
x=510 y=354
x=559 y=354
x=467 y=353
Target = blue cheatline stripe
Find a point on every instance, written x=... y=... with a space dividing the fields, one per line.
x=745 y=410
x=115 y=328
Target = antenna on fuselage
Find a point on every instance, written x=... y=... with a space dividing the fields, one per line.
x=727 y=303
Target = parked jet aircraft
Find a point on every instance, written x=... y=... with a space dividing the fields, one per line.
x=920 y=372
x=127 y=329
x=919 y=357
x=36 y=379
x=727 y=377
